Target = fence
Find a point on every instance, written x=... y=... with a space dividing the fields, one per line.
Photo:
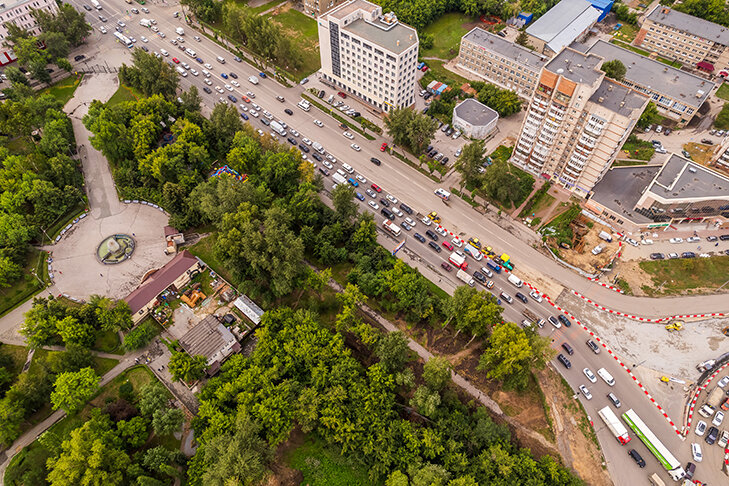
x=97 y=68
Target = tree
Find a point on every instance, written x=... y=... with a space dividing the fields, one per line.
x=650 y=116
x=134 y=431
x=39 y=327
x=113 y=316
x=191 y=99
x=397 y=123
x=224 y=123
x=393 y=351
x=504 y=101
x=428 y=475
x=11 y=420
x=56 y=44
x=69 y=22
x=73 y=389
x=470 y=163
x=74 y=332
x=184 y=367
x=425 y=401
x=152 y=397
x=523 y=40
x=343 y=200
x=500 y=183
x=64 y=64
x=150 y=75
x=156 y=458
x=140 y=336
x=420 y=132
x=397 y=478
x=437 y=373
x=167 y=421
x=9 y=272
x=614 y=69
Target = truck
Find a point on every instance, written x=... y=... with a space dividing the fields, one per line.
x=459 y=260
x=253 y=80
x=145 y=23
x=181 y=71
x=473 y=252
x=391 y=227
x=338 y=178
x=493 y=266
x=506 y=259
x=96 y=4
x=318 y=147
x=654 y=445
x=276 y=127
x=606 y=236
x=465 y=277
x=515 y=281
x=614 y=425
x=714 y=398
x=180 y=31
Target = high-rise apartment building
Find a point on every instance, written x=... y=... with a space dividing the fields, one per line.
x=18 y=13
x=369 y=54
x=685 y=38
x=576 y=122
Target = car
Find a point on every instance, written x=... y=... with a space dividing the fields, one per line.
x=348 y=135
x=673 y=256
x=406 y=208
x=228 y=87
x=145 y=10
x=490 y=284
x=371 y=193
x=563 y=319
x=554 y=322
x=718 y=418
x=522 y=297
x=376 y=187
x=405 y=226
x=267 y=123
x=723 y=439
x=693 y=239
x=426 y=221
x=375 y=161
x=590 y=375
x=700 y=429
x=723 y=382
x=87 y=8
x=724 y=237
x=419 y=237
x=479 y=276
x=235 y=83
x=208 y=66
x=374 y=205
x=446 y=266
x=675 y=240
x=144 y=39
x=448 y=245
x=707 y=141
x=359 y=196
x=563 y=359
x=303 y=148
x=706 y=411
x=688 y=254
x=410 y=221
x=356 y=147
x=712 y=435
x=219 y=89
x=657 y=256
x=318 y=123
x=244 y=116
x=593 y=346
x=383 y=147
x=690 y=470
x=293 y=141
x=306 y=141
x=585 y=392
x=121 y=24
x=317 y=157
x=696 y=452
x=434 y=246
x=711 y=238
x=631 y=241
x=361 y=178
x=535 y=295
x=175 y=60
x=431 y=235
x=102 y=29
x=207 y=90
x=172 y=41
x=296 y=134
x=614 y=400
x=288 y=112
x=146 y=49
x=457 y=242
x=686 y=154
x=636 y=457
x=325 y=163
x=391 y=198
x=385 y=202
x=342 y=94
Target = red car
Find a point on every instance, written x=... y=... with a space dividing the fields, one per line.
x=342 y=94
x=425 y=68
x=245 y=98
x=448 y=245
x=376 y=187
x=175 y=60
x=383 y=147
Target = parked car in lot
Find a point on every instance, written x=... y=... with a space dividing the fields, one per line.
x=700 y=429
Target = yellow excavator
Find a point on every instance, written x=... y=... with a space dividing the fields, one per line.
x=674 y=326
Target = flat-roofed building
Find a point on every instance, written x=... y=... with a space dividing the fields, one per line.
x=369 y=54
x=682 y=37
x=677 y=94
x=317 y=7
x=474 y=119
x=563 y=24
x=576 y=122
x=500 y=61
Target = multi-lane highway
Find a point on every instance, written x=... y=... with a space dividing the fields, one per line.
x=416 y=190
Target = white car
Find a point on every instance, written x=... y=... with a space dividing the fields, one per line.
x=704 y=255
x=253 y=113
x=723 y=382
x=693 y=239
x=250 y=94
x=235 y=83
x=243 y=107
x=718 y=418
x=228 y=87
x=361 y=178
x=306 y=141
x=145 y=10
x=631 y=241
x=396 y=211
x=723 y=439
x=172 y=41
x=180 y=39
x=374 y=205
x=294 y=133
x=410 y=222
x=700 y=429
x=208 y=82
x=536 y=295
x=154 y=28
x=330 y=157
x=391 y=198
x=318 y=123
x=371 y=193
x=440 y=231
x=459 y=152
x=161 y=34
x=590 y=375
x=356 y=147
x=426 y=221
x=326 y=164
x=647 y=242
x=143 y=39
x=121 y=24
x=676 y=240
x=696 y=452
x=457 y=242
x=219 y=89
x=194 y=72
x=586 y=392
x=208 y=65
x=102 y=29
x=348 y=135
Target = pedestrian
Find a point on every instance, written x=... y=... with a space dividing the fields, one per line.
x=716 y=244
x=101 y=274
x=133 y=234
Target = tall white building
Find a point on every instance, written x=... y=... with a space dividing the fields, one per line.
x=368 y=54
x=18 y=13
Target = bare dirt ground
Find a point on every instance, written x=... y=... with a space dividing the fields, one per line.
x=584 y=259
x=281 y=473
x=633 y=275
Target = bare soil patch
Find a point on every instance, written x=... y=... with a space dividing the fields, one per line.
x=281 y=473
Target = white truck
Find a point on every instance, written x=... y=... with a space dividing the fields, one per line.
x=180 y=31
x=96 y=4
x=318 y=147
x=515 y=281
x=459 y=260
x=614 y=425
x=390 y=226
x=338 y=179
x=464 y=276
x=276 y=127
x=145 y=23
x=253 y=80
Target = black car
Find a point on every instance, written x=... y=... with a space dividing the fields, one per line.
x=233 y=98
x=387 y=213
x=563 y=319
x=428 y=150
x=690 y=470
x=375 y=161
x=563 y=359
x=712 y=435
x=292 y=140
x=324 y=171
x=87 y=8
x=288 y=111
x=406 y=208
x=711 y=238
x=688 y=254
x=479 y=276
x=501 y=33
x=244 y=116
x=434 y=246
x=145 y=49
x=657 y=256
x=207 y=90
x=724 y=237
x=446 y=266
x=356 y=114
x=405 y=226
x=304 y=148
x=433 y=154
x=265 y=121
x=444 y=161
x=636 y=457
x=233 y=75
x=522 y=297
x=80 y=57
x=419 y=237
x=385 y=202
x=321 y=94
x=568 y=348
x=317 y=157
x=431 y=235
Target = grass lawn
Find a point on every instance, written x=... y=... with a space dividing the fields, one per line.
x=636 y=148
x=437 y=72
x=101 y=365
x=121 y=95
x=675 y=276
x=623 y=163
x=28 y=285
x=626 y=33
x=204 y=249
x=700 y=153
x=723 y=91
x=18 y=355
x=447 y=32
x=322 y=465
x=64 y=89
x=108 y=342
x=267 y=5
x=303 y=31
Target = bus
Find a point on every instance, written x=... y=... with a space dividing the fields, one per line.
x=654 y=445
x=614 y=425
x=124 y=40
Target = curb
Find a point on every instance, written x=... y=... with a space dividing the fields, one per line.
x=698 y=391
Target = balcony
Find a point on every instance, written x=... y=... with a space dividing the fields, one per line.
x=593 y=130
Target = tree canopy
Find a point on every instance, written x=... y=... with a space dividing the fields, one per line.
x=614 y=69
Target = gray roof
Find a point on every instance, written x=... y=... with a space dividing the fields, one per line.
x=688 y=23
x=618 y=98
x=621 y=187
x=576 y=66
x=681 y=178
x=656 y=76
x=563 y=23
x=388 y=39
x=474 y=112
x=207 y=338
x=506 y=49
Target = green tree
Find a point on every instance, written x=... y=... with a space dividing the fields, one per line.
x=184 y=367
x=343 y=200
x=504 y=101
x=167 y=421
x=11 y=420
x=224 y=123
x=191 y=99
x=73 y=389
x=134 y=431
x=523 y=40
x=69 y=22
x=64 y=64
x=157 y=458
x=500 y=184
x=113 y=316
x=9 y=272
x=722 y=119
x=437 y=373
x=470 y=163
x=650 y=116
x=392 y=350
x=152 y=397
x=429 y=475
x=397 y=478
x=140 y=336
x=56 y=43
x=614 y=69
x=74 y=332
x=150 y=75
x=425 y=401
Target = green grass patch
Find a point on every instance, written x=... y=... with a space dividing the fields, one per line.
x=205 y=250
x=124 y=93
x=103 y=365
x=447 y=32
x=723 y=92
x=686 y=274
x=437 y=72
x=304 y=33
x=636 y=148
x=625 y=163
x=502 y=152
x=108 y=342
x=29 y=284
x=64 y=89
x=18 y=145
x=323 y=465
x=560 y=228
x=264 y=7
x=540 y=200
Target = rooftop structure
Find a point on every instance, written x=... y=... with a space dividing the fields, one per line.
x=618 y=98
x=474 y=118
x=562 y=25
x=684 y=180
x=576 y=66
x=210 y=338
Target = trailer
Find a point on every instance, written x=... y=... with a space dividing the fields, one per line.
x=614 y=425
x=459 y=260
x=646 y=435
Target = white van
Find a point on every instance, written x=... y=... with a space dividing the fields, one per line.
x=164 y=53
x=190 y=52
x=442 y=193
x=515 y=281
x=181 y=71
x=221 y=60
x=206 y=73
x=603 y=373
x=341 y=173
x=348 y=168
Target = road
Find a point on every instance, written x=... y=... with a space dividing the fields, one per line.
x=417 y=191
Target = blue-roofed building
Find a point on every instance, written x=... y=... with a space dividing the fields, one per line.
x=604 y=6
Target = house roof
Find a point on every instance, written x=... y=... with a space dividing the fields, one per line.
x=160 y=280
x=576 y=66
x=683 y=179
x=618 y=98
x=170 y=230
x=474 y=112
x=208 y=338
x=563 y=23
x=688 y=23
